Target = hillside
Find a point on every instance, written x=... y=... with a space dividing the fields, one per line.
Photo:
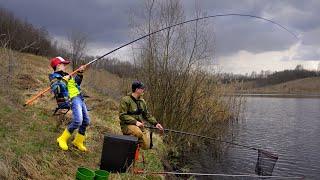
x=305 y=86
x=28 y=134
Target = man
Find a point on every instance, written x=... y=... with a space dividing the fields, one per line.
x=68 y=95
x=133 y=110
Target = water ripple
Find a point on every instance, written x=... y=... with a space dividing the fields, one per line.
x=290 y=127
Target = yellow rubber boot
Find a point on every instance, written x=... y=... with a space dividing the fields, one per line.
x=78 y=142
x=62 y=140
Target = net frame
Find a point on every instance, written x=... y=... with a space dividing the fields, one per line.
x=265 y=162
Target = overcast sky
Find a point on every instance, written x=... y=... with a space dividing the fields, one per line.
x=242 y=45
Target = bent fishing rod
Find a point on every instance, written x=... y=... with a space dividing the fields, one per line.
x=28 y=102
x=215 y=175
x=204 y=137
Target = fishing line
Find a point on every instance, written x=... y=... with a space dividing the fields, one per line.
x=221 y=175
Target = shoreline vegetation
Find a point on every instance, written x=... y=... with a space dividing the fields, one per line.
x=183 y=94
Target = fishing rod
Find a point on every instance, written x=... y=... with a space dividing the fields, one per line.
x=204 y=137
x=28 y=102
x=218 y=175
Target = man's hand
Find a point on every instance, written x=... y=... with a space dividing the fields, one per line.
x=139 y=124
x=159 y=127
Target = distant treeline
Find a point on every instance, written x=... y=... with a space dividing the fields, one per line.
x=265 y=78
x=22 y=36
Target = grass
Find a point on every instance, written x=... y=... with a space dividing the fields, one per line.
x=28 y=134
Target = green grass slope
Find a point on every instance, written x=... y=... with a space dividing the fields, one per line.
x=28 y=134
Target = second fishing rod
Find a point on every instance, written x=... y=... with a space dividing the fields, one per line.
x=205 y=137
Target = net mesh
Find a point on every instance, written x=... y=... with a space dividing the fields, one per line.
x=265 y=163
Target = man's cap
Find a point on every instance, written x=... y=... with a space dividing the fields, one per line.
x=58 y=60
x=137 y=85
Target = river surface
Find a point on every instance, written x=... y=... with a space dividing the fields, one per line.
x=290 y=127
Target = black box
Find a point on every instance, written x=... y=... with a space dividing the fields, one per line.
x=118 y=152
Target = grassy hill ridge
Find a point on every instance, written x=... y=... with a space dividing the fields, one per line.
x=310 y=85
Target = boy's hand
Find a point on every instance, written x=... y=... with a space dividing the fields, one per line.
x=67 y=77
x=82 y=68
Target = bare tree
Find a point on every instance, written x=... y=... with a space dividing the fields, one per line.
x=10 y=66
x=78 y=46
x=181 y=93
x=299 y=67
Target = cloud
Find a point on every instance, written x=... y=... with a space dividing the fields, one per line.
x=124 y=54
x=246 y=62
x=312 y=37
x=233 y=33
x=250 y=35
x=107 y=24
x=107 y=21
x=104 y=21
x=301 y=15
x=307 y=53
x=302 y=52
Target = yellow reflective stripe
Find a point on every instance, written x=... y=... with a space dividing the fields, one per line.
x=72 y=88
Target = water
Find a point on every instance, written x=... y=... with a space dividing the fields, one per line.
x=288 y=126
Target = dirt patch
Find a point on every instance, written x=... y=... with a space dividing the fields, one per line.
x=102 y=104
x=4 y=170
x=26 y=81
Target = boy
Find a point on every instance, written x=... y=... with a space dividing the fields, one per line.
x=68 y=95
